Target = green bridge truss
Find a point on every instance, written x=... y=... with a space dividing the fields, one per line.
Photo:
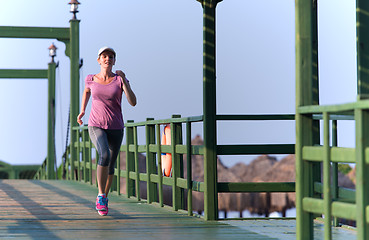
x=315 y=195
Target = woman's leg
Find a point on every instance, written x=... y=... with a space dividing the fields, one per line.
x=99 y=138
x=115 y=138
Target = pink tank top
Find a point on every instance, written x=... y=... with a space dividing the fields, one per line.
x=106 y=109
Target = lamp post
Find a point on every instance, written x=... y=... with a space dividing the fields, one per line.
x=50 y=163
x=74 y=7
x=74 y=82
x=52 y=51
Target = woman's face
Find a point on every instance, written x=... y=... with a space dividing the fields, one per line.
x=106 y=59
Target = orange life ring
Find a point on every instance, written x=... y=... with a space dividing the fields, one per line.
x=166 y=158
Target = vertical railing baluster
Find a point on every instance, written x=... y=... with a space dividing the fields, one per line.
x=85 y=154
x=177 y=164
x=334 y=169
x=158 y=156
x=78 y=175
x=189 y=168
x=327 y=179
x=130 y=162
x=137 y=169
x=118 y=172
x=150 y=160
x=362 y=176
x=90 y=158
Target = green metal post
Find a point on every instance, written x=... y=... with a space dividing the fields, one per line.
x=177 y=164
x=78 y=143
x=158 y=155
x=118 y=172
x=334 y=169
x=326 y=180
x=189 y=168
x=51 y=122
x=85 y=155
x=90 y=158
x=209 y=111
x=306 y=78
x=316 y=167
x=362 y=36
x=74 y=87
x=362 y=176
x=150 y=162
x=130 y=161
x=137 y=169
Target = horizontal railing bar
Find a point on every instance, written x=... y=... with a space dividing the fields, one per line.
x=338 y=154
x=154 y=178
x=344 y=108
x=198 y=186
x=182 y=183
x=256 y=186
x=255 y=149
x=344 y=210
x=132 y=175
x=257 y=117
x=143 y=177
x=165 y=121
x=168 y=181
x=344 y=194
x=344 y=155
x=312 y=205
x=342 y=116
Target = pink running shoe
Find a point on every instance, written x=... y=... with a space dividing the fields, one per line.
x=101 y=203
x=104 y=212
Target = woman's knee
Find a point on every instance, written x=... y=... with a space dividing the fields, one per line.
x=104 y=158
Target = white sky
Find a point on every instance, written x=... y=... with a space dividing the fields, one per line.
x=159 y=46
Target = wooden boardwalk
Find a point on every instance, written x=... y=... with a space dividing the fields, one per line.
x=32 y=209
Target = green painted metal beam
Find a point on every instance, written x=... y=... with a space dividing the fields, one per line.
x=362 y=40
x=209 y=110
x=327 y=179
x=257 y=117
x=34 y=32
x=362 y=169
x=50 y=171
x=24 y=73
x=306 y=94
x=256 y=187
x=74 y=83
x=256 y=149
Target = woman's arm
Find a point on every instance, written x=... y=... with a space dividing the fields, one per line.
x=130 y=95
x=85 y=98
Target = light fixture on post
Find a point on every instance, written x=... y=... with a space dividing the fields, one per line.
x=52 y=52
x=74 y=7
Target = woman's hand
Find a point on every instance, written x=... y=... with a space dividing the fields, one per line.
x=79 y=118
x=131 y=97
x=122 y=75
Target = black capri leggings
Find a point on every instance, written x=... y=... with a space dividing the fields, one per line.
x=107 y=143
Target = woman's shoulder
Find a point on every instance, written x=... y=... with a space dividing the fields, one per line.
x=89 y=77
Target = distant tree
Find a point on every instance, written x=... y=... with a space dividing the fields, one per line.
x=344 y=168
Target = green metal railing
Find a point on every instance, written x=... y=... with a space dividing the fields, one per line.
x=8 y=171
x=334 y=202
x=82 y=168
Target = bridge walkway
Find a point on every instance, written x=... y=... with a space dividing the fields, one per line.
x=33 y=209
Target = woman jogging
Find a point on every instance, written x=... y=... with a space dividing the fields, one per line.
x=105 y=124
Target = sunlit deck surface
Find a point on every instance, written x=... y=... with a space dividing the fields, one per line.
x=32 y=209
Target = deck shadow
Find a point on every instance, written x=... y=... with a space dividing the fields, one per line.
x=33 y=208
